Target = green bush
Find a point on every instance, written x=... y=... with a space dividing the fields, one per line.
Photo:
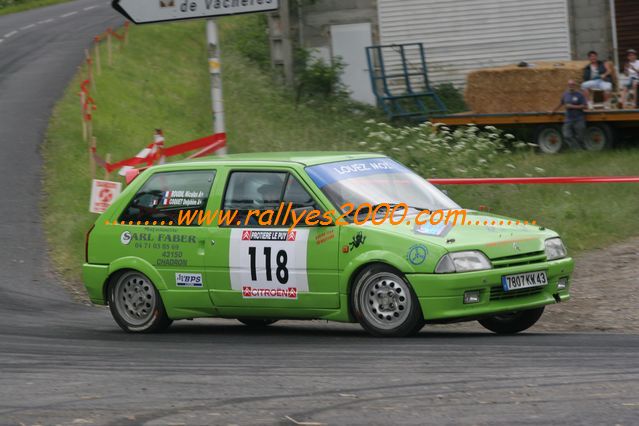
x=317 y=77
x=7 y=3
x=251 y=40
x=452 y=98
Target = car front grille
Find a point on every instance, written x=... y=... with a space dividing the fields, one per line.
x=498 y=293
x=519 y=259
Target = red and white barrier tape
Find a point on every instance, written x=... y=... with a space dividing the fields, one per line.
x=535 y=180
x=155 y=152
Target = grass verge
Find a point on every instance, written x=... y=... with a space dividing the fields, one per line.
x=14 y=6
x=161 y=80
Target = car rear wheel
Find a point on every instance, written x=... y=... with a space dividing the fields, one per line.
x=256 y=322
x=513 y=322
x=136 y=304
x=385 y=304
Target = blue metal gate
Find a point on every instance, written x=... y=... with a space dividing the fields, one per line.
x=400 y=84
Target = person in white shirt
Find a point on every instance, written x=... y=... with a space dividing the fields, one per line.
x=631 y=69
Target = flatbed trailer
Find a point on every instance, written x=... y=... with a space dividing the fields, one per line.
x=603 y=126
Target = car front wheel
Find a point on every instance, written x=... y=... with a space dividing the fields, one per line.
x=514 y=322
x=385 y=304
x=136 y=304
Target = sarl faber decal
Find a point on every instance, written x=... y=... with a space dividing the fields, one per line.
x=269 y=293
x=126 y=237
x=268 y=235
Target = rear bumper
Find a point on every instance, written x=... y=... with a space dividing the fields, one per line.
x=94 y=278
x=441 y=296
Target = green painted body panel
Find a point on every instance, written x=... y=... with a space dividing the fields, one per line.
x=442 y=295
x=334 y=254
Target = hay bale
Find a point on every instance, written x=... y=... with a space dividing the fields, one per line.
x=510 y=88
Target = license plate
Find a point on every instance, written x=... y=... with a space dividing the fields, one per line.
x=525 y=280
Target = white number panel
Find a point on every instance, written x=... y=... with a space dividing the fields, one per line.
x=268 y=264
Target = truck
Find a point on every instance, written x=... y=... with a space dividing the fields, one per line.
x=399 y=79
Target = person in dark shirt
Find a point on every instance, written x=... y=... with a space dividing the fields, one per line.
x=596 y=75
x=575 y=121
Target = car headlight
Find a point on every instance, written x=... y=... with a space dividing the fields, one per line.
x=462 y=261
x=555 y=248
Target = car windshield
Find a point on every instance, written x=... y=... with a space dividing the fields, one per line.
x=376 y=181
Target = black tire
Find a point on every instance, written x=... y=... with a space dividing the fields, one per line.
x=256 y=322
x=598 y=137
x=384 y=303
x=549 y=138
x=139 y=308
x=512 y=323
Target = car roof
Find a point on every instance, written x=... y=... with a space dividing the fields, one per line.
x=305 y=158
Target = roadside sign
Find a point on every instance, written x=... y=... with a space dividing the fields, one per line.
x=103 y=193
x=147 y=11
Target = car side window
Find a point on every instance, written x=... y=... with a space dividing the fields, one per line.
x=250 y=192
x=164 y=194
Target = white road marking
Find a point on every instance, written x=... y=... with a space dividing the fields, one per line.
x=68 y=14
x=1 y=40
x=12 y=33
x=46 y=21
x=90 y=7
x=26 y=27
x=303 y=423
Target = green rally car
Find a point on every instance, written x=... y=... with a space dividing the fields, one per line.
x=392 y=278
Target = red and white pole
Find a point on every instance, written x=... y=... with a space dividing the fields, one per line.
x=158 y=146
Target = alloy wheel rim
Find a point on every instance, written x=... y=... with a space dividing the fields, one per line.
x=385 y=300
x=135 y=298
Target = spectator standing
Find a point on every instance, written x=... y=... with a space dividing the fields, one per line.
x=574 y=127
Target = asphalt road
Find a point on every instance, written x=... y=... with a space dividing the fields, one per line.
x=66 y=363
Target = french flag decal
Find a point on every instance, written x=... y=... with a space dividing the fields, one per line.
x=167 y=198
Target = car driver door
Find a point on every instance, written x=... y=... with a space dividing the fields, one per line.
x=259 y=260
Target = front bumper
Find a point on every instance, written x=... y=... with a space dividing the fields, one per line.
x=441 y=296
x=94 y=278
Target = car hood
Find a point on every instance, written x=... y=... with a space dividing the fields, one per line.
x=495 y=240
